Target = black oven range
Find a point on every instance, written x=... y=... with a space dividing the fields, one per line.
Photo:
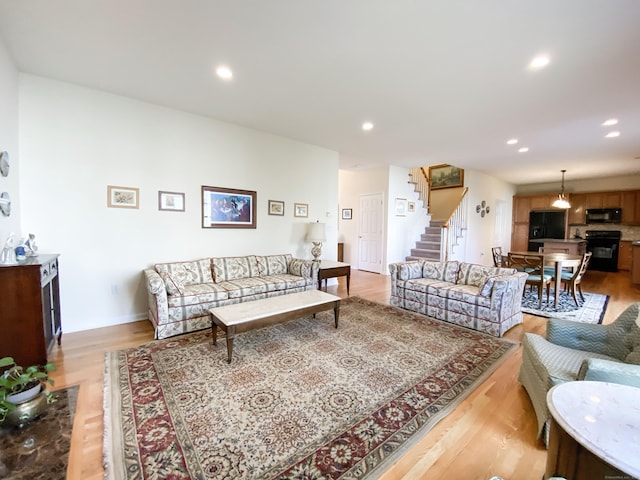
x=604 y=245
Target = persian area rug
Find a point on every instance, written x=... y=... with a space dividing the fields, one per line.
x=592 y=310
x=300 y=400
x=40 y=450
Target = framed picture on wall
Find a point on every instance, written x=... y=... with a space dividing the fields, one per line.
x=401 y=207
x=276 y=207
x=300 y=210
x=347 y=213
x=123 y=197
x=411 y=207
x=228 y=208
x=445 y=176
x=171 y=201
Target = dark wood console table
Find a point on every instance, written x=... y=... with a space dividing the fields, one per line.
x=30 y=309
x=330 y=269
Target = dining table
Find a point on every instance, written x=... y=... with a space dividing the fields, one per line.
x=558 y=261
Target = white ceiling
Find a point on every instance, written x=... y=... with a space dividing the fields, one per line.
x=444 y=81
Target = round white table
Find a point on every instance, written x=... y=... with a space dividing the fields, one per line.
x=595 y=430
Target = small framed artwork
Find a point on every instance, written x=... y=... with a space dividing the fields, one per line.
x=171 y=201
x=228 y=208
x=276 y=207
x=401 y=207
x=411 y=207
x=445 y=176
x=123 y=197
x=347 y=213
x=300 y=210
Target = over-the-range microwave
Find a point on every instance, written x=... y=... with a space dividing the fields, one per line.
x=604 y=215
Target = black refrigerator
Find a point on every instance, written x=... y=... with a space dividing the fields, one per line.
x=545 y=224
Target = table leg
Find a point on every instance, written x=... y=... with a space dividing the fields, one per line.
x=558 y=283
x=336 y=313
x=348 y=277
x=231 y=333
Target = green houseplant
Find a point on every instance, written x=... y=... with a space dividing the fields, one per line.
x=15 y=383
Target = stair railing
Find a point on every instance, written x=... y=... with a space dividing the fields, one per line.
x=421 y=181
x=452 y=229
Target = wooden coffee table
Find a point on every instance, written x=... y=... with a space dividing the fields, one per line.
x=241 y=317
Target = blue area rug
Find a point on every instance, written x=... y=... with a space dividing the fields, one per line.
x=590 y=311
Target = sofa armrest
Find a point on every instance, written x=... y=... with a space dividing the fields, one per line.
x=506 y=295
x=601 y=370
x=579 y=336
x=157 y=295
x=304 y=268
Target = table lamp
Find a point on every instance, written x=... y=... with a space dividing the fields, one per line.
x=316 y=235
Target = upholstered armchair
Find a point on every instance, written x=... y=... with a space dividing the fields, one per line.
x=579 y=351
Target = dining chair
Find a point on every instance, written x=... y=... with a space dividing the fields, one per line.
x=534 y=266
x=497 y=256
x=572 y=280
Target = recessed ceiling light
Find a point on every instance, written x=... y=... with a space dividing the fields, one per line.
x=224 y=72
x=610 y=123
x=538 y=62
x=367 y=126
x=523 y=149
x=513 y=141
x=613 y=134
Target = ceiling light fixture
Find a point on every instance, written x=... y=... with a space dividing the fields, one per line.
x=367 y=126
x=610 y=123
x=561 y=201
x=538 y=62
x=613 y=134
x=513 y=141
x=523 y=149
x=224 y=72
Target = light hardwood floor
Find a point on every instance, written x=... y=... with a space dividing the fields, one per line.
x=492 y=432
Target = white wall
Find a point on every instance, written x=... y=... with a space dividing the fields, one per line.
x=494 y=229
x=9 y=142
x=403 y=231
x=75 y=141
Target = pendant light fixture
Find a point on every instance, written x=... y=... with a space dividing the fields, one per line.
x=561 y=201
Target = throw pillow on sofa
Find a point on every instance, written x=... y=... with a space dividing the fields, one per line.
x=174 y=282
x=187 y=273
x=410 y=270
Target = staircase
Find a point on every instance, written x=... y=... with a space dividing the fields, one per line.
x=430 y=244
x=440 y=237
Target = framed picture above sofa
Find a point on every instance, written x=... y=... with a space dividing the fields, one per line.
x=228 y=208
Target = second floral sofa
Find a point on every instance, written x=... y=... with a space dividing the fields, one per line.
x=487 y=299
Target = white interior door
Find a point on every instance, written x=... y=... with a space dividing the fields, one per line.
x=370 y=233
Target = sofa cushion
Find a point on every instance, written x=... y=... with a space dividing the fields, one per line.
x=273 y=264
x=472 y=274
x=410 y=270
x=199 y=294
x=174 y=283
x=446 y=271
x=187 y=273
x=226 y=269
x=301 y=268
x=245 y=287
x=487 y=286
x=286 y=282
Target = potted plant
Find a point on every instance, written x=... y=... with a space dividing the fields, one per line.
x=23 y=391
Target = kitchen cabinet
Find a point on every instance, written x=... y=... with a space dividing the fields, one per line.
x=631 y=207
x=577 y=211
x=604 y=200
x=635 y=263
x=521 y=209
x=30 y=309
x=625 y=255
x=520 y=237
x=542 y=202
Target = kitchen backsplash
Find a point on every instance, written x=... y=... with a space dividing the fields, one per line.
x=628 y=232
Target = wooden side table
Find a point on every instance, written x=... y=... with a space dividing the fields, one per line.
x=330 y=269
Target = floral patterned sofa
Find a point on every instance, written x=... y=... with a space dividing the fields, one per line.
x=181 y=293
x=487 y=299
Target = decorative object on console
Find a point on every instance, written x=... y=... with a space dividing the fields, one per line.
x=561 y=201
x=482 y=208
x=276 y=207
x=5 y=204
x=4 y=164
x=445 y=176
x=172 y=201
x=30 y=246
x=300 y=210
x=347 y=214
x=316 y=234
x=123 y=197
x=228 y=208
x=8 y=255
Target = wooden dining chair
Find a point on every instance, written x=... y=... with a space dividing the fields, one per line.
x=497 y=256
x=534 y=266
x=572 y=280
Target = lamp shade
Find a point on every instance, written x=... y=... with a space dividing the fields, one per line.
x=316 y=232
